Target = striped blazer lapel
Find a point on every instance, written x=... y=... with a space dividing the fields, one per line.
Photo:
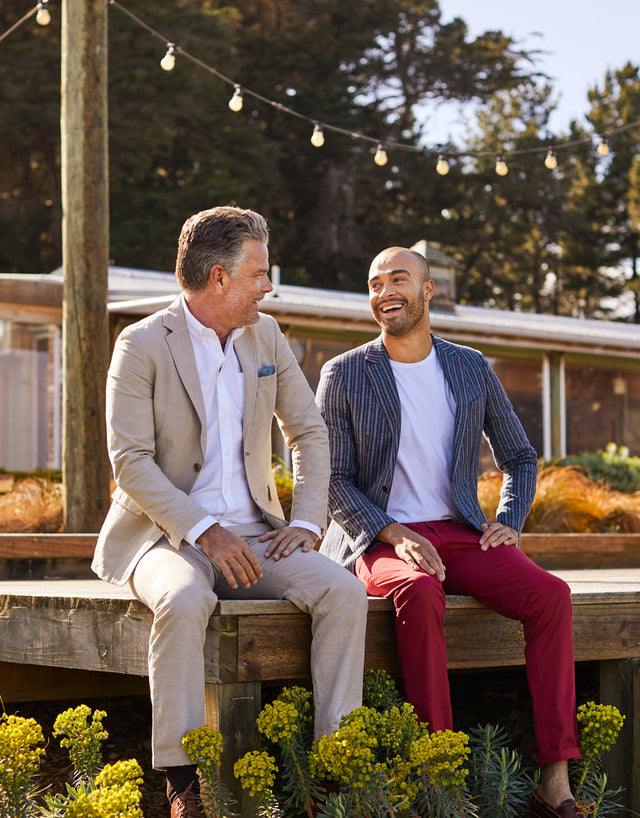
x=383 y=385
x=454 y=371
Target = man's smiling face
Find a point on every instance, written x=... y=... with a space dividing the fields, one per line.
x=398 y=288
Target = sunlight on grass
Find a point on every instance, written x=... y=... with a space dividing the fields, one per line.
x=568 y=501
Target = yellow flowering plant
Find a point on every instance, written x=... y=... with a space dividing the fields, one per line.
x=83 y=739
x=599 y=727
x=19 y=756
x=204 y=747
x=112 y=791
x=256 y=771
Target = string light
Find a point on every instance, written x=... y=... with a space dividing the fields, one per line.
x=442 y=166
x=43 y=18
x=380 y=157
x=236 y=102
x=551 y=160
x=317 y=137
x=168 y=62
x=501 y=166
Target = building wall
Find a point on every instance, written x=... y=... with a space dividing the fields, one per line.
x=601 y=396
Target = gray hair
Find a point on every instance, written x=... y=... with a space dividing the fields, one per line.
x=213 y=237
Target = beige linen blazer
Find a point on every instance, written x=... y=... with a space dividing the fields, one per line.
x=156 y=431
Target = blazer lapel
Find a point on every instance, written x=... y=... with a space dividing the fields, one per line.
x=179 y=344
x=383 y=384
x=248 y=363
x=453 y=372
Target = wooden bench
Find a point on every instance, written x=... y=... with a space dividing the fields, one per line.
x=87 y=632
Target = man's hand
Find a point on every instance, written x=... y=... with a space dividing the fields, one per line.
x=495 y=534
x=284 y=541
x=232 y=555
x=414 y=549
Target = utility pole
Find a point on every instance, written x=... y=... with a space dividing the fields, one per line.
x=85 y=259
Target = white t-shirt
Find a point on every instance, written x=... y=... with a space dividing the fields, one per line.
x=421 y=488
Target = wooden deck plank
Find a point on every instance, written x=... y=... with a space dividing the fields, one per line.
x=92 y=625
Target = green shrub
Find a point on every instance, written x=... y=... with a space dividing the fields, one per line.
x=614 y=467
x=383 y=762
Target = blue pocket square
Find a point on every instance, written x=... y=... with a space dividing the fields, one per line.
x=266 y=370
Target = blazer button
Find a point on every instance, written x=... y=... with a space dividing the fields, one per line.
x=196 y=467
x=386 y=489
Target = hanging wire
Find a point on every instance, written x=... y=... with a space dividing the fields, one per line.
x=17 y=25
x=376 y=141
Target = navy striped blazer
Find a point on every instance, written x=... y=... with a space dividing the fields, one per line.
x=359 y=401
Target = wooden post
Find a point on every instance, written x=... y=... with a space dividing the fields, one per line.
x=233 y=709
x=620 y=685
x=85 y=258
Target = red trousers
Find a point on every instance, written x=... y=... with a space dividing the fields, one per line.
x=508 y=582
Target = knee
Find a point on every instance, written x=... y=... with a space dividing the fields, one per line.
x=422 y=593
x=185 y=605
x=553 y=596
x=352 y=592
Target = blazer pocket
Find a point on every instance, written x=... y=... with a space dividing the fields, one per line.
x=266 y=381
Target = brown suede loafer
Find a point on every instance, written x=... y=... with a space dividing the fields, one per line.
x=187 y=805
x=538 y=808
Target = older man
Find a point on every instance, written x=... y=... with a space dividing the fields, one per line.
x=191 y=395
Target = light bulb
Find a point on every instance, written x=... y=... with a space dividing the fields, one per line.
x=501 y=166
x=442 y=166
x=603 y=147
x=168 y=62
x=43 y=18
x=551 y=160
x=235 y=103
x=317 y=137
x=381 y=156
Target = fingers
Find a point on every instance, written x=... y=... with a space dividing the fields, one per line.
x=242 y=564
x=494 y=534
x=284 y=541
x=421 y=557
x=232 y=555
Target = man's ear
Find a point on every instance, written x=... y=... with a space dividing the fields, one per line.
x=218 y=277
x=429 y=289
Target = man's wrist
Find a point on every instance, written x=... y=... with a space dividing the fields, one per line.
x=199 y=528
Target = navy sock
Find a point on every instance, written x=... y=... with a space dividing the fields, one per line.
x=178 y=780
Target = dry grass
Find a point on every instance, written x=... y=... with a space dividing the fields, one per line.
x=567 y=501
x=32 y=505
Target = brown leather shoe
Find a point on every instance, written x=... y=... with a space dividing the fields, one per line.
x=187 y=805
x=538 y=808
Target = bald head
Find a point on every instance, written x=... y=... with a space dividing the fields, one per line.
x=401 y=258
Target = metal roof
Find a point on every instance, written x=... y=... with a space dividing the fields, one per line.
x=349 y=311
x=141 y=292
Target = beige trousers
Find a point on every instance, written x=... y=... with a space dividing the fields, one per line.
x=182 y=588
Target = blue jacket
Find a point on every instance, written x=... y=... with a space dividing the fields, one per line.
x=359 y=401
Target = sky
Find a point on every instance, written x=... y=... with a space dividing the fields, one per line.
x=582 y=38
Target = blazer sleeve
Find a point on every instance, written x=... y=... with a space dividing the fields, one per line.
x=349 y=505
x=513 y=454
x=305 y=434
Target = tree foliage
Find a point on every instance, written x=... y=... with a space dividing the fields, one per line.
x=536 y=239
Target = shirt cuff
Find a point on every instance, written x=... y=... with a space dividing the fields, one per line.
x=199 y=528
x=309 y=526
